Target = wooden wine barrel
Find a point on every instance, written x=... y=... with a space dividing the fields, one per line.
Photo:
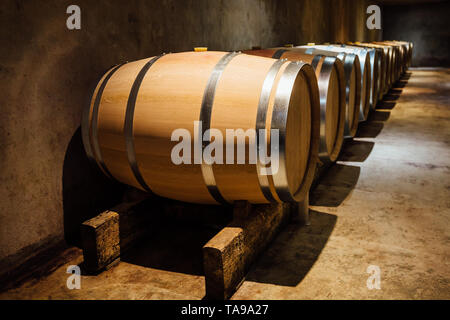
x=391 y=65
x=391 y=62
x=364 y=59
x=375 y=69
x=408 y=48
x=364 y=102
x=383 y=65
x=410 y=52
x=352 y=71
x=397 y=58
x=398 y=61
x=405 y=48
x=401 y=57
x=388 y=55
x=367 y=55
x=404 y=53
x=411 y=48
x=332 y=89
x=139 y=111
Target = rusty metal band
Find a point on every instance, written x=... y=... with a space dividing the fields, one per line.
x=261 y=117
x=93 y=150
x=205 y=120
x=128 y=123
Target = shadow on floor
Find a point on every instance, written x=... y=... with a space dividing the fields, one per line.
x=369 y=129
x=177 y=232
x=335 y=186
x=400 y=83
x=294 y=251
x=388 y=105
x=405 y=77
x=175 y=248
x=374 y=123
x=379 y=115
x=356 y=150
x=393 y=94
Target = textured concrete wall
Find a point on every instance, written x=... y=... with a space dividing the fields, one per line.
x=426 y=25
x=47 y=185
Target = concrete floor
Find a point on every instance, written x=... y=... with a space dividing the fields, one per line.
x=385 y=203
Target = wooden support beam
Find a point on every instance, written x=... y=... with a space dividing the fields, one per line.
x=105 y=237
x=109 y=235
x=223 y=263
x=228 y=256
x=101 y=241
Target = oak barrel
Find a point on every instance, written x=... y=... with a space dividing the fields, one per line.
x=397 y=59
x=136 y=108
x=332 y=90
x=390 y=65
x=375 y=70
x=406 y=54
x=408 y=47
x=383 y=65
x=365 y=76
x=349 y=58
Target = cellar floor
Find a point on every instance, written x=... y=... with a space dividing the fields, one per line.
x=385 y=206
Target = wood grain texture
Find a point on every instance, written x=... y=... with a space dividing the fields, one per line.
x=385 y=67
x=111 y=117
x=100 y=240
x=395 y=60
x=366 y=79
x=335 y=98
x=335 y=93
x=170 y=97
x=228 y=255
x=298 y=134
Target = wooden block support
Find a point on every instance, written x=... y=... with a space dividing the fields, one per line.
x=223 y=261
x=105 y=237
x=100 y=240
x=228 y=256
